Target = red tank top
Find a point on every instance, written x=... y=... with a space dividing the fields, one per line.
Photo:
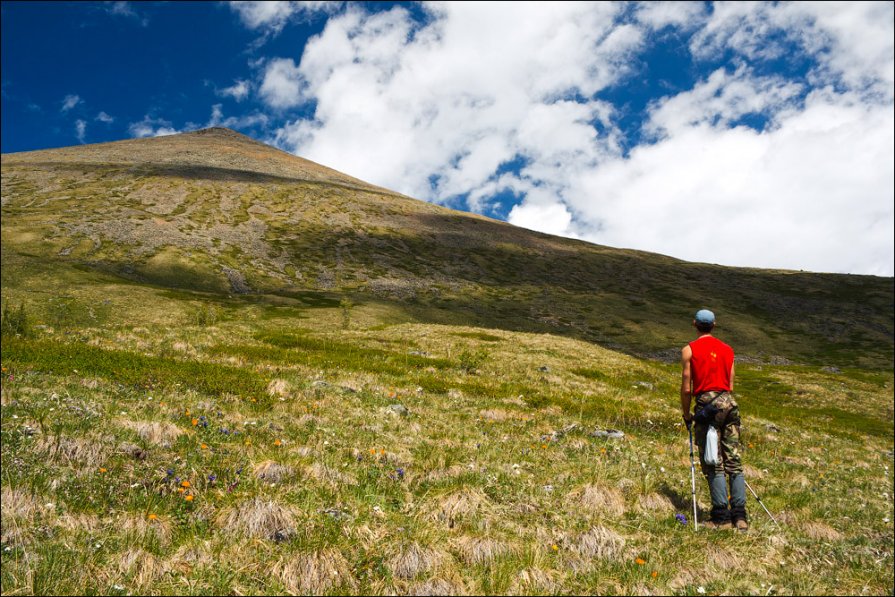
x=710 y=365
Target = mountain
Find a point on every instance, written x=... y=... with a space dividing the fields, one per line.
x=216 y=212
x=228 y=370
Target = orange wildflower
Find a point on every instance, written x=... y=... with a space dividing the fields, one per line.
x=184 y=483
x=640 y=561
x=188 y=498
x=153 y=517
x=278 y=443
x=373 y=451
x=204 y=446
x=103 y=470
x=180 y=490
x=195 y=422
x=654 y=573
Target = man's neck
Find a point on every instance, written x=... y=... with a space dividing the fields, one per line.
x=706 y=335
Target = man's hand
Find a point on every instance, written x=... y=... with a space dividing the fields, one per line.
x=688 y=419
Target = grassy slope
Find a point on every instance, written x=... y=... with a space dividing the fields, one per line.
x=318 y=487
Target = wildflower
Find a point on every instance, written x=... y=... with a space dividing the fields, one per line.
x=373 y=451
x=751 y=445
x=681 y=518
x=153 y=517
x=170 y=472
x=103 y=470
x=277 y=442
x=400 y=473
x=248 y=442
x=543 y=446
x=187 y=412
x=602 y=450
x=188 y=498
x=554 y=547
x=204 y=446
x=195 y=422
x=654 y=573
x=185 y=484
x=640 y=561
x=180 y=490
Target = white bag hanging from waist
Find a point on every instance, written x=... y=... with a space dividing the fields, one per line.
x=711 y=446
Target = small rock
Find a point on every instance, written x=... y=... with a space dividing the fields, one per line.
x=772 y=427
x=399 y=409
x=645 y=384
x=544 y=369
x=830 y=369
x=608 y=433
x=418 y=353
x=320 y=384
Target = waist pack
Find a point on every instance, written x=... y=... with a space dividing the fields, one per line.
x=716 y=411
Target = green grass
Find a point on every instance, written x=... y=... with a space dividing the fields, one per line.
x=507 y=349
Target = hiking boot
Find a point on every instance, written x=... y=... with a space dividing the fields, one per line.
x=742 y=525
x=718 y=526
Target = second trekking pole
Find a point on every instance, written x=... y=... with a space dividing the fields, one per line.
x=692 y=475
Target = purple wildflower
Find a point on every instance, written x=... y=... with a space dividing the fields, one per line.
x=170 y=472
x=681 y=518
x=212 y=478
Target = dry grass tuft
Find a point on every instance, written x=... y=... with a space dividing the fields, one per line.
x=724 y=560
x=315 y=573
x=83 y=451
x=479 y=550
x=272 y=472
x=141 y=566
x=414 y=560
x=600 y=500
x=436 y=586
x=534 y=580
x=460 y=504
x=153 y=432
x=329 y=476
x=821 y=532
x=278 y=388
x=601 y=543
x=653 y=502
x=259 y=519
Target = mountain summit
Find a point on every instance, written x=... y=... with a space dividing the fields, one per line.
x=213 y=211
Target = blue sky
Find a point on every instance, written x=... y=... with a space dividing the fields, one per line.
x=753 y=134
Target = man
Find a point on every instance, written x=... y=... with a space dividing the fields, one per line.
x=707 y=373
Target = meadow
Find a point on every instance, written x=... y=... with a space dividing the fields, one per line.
x=332 y=445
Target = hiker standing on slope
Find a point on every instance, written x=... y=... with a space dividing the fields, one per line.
x=707 y=373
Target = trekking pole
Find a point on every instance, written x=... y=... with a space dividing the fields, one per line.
x=693 y=477
x=762 y=503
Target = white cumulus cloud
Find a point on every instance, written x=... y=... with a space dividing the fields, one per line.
x=282 y=84
x=238 y=91
x=152 y=127
x=80 y=130
x=103 y=117
x=481 y=99
x=70 y=102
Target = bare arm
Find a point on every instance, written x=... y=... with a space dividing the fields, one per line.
x=731 y=376
x=686 y=383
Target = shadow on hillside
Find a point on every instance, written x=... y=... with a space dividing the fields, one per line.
x=194 y=172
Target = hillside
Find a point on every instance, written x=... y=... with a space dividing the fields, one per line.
x=216 y=212
x=228 y=370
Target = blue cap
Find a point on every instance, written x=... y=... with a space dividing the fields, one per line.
x=705 y=316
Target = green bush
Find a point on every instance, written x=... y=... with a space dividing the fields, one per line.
x=470 y=361
x=16 y=323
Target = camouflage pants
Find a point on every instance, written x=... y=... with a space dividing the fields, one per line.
x=727 y=422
